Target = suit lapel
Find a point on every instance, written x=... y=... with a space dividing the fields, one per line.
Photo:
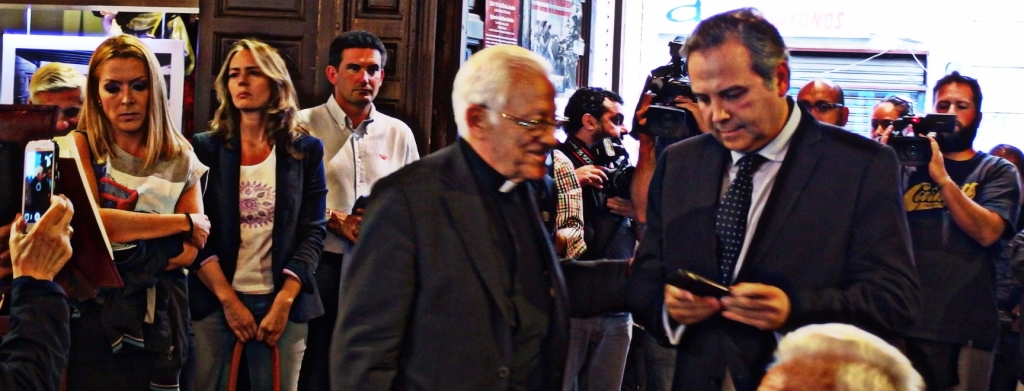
x=796 y=170
x=230 y=166
x=708 y=190
x=286 y=204
x=464 y=202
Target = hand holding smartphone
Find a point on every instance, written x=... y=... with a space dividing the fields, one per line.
x=697 y=285
x=40 y=166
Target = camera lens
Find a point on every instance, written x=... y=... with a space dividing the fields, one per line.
x=667 y=121
x=914 y=151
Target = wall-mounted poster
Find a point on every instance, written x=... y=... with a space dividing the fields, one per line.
x=501 y=22
x=555 y=34
x=23 y=54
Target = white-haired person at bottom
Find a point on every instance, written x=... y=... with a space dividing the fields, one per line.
x=839 y=357
x=35 y=351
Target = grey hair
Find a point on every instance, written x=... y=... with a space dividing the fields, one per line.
x=55 y=77
x=761 y=38
x=864 y=361
x=488 y=77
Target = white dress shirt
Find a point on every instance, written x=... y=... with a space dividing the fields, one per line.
x=355 y=158
x=764 y=180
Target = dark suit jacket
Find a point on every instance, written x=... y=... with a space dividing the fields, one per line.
x=299 y=220
x=833 y=236
x=420 y=304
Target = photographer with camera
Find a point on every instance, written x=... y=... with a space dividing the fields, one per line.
x=664 y=115
x=885 y=112
x=959 y=204
x=595 y=126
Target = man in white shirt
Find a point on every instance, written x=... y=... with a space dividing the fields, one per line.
x=361 y=145
x=801 y=221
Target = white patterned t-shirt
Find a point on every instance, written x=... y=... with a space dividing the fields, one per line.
x=124 y=184
x=257 y=188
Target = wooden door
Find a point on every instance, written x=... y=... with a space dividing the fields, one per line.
x=291 y=26
x=303 y=29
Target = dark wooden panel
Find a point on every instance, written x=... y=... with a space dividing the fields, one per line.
x=391 y=68
x=386 y=106
x=381 y=9
x=289 y=9
x=289 y=47
x=296 y=34
x=382 y=5
x=446 y=44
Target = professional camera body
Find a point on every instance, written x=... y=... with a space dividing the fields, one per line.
x=613 y=157
x=913 y=150
x=664 y=119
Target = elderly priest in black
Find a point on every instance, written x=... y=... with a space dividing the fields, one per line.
x=454 y=284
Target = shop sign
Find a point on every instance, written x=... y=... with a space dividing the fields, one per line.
x=501 y=22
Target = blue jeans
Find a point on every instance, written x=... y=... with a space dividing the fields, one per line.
x=214 y=342
x=597 y=352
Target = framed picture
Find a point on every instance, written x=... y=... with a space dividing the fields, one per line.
x=554 y=32
x=23 y=54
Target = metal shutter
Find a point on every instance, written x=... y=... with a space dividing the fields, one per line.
x=865 y=83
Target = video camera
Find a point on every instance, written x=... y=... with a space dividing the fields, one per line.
x=664 y=119
x=913 y=150
x=613 y=157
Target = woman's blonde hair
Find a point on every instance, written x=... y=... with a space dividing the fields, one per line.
x=280 y=113
x=162 y=138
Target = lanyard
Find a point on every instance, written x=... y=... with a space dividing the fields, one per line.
x=580 y=152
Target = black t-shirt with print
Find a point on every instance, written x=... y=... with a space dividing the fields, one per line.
x=957 y=273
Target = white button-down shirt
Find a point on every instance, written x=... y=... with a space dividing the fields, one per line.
x=355 y=158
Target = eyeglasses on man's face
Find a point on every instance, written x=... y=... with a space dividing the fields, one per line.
x=531 y=125
x=821 y=106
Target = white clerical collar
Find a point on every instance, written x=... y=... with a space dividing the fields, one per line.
x=508 y=186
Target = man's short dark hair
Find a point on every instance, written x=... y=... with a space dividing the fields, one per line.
x=956 y=77
x=587 y=100
x=358 y=39
x=761 y=38
x=902 y=106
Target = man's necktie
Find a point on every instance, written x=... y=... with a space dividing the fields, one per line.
x=731 y=216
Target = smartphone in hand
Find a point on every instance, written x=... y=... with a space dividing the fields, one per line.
x=40 y=167
x=693 y=282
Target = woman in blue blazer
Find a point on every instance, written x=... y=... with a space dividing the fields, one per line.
x=254 y=280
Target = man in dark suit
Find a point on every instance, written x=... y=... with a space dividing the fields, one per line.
x=454 y=284
x=801 y=220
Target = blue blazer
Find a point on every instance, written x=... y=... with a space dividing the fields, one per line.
x=299 y=220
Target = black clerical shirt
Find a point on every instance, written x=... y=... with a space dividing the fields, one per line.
x=519 y=237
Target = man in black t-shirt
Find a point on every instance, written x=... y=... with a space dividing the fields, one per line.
x=959 y=206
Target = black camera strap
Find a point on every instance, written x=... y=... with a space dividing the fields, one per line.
x=580 y=152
